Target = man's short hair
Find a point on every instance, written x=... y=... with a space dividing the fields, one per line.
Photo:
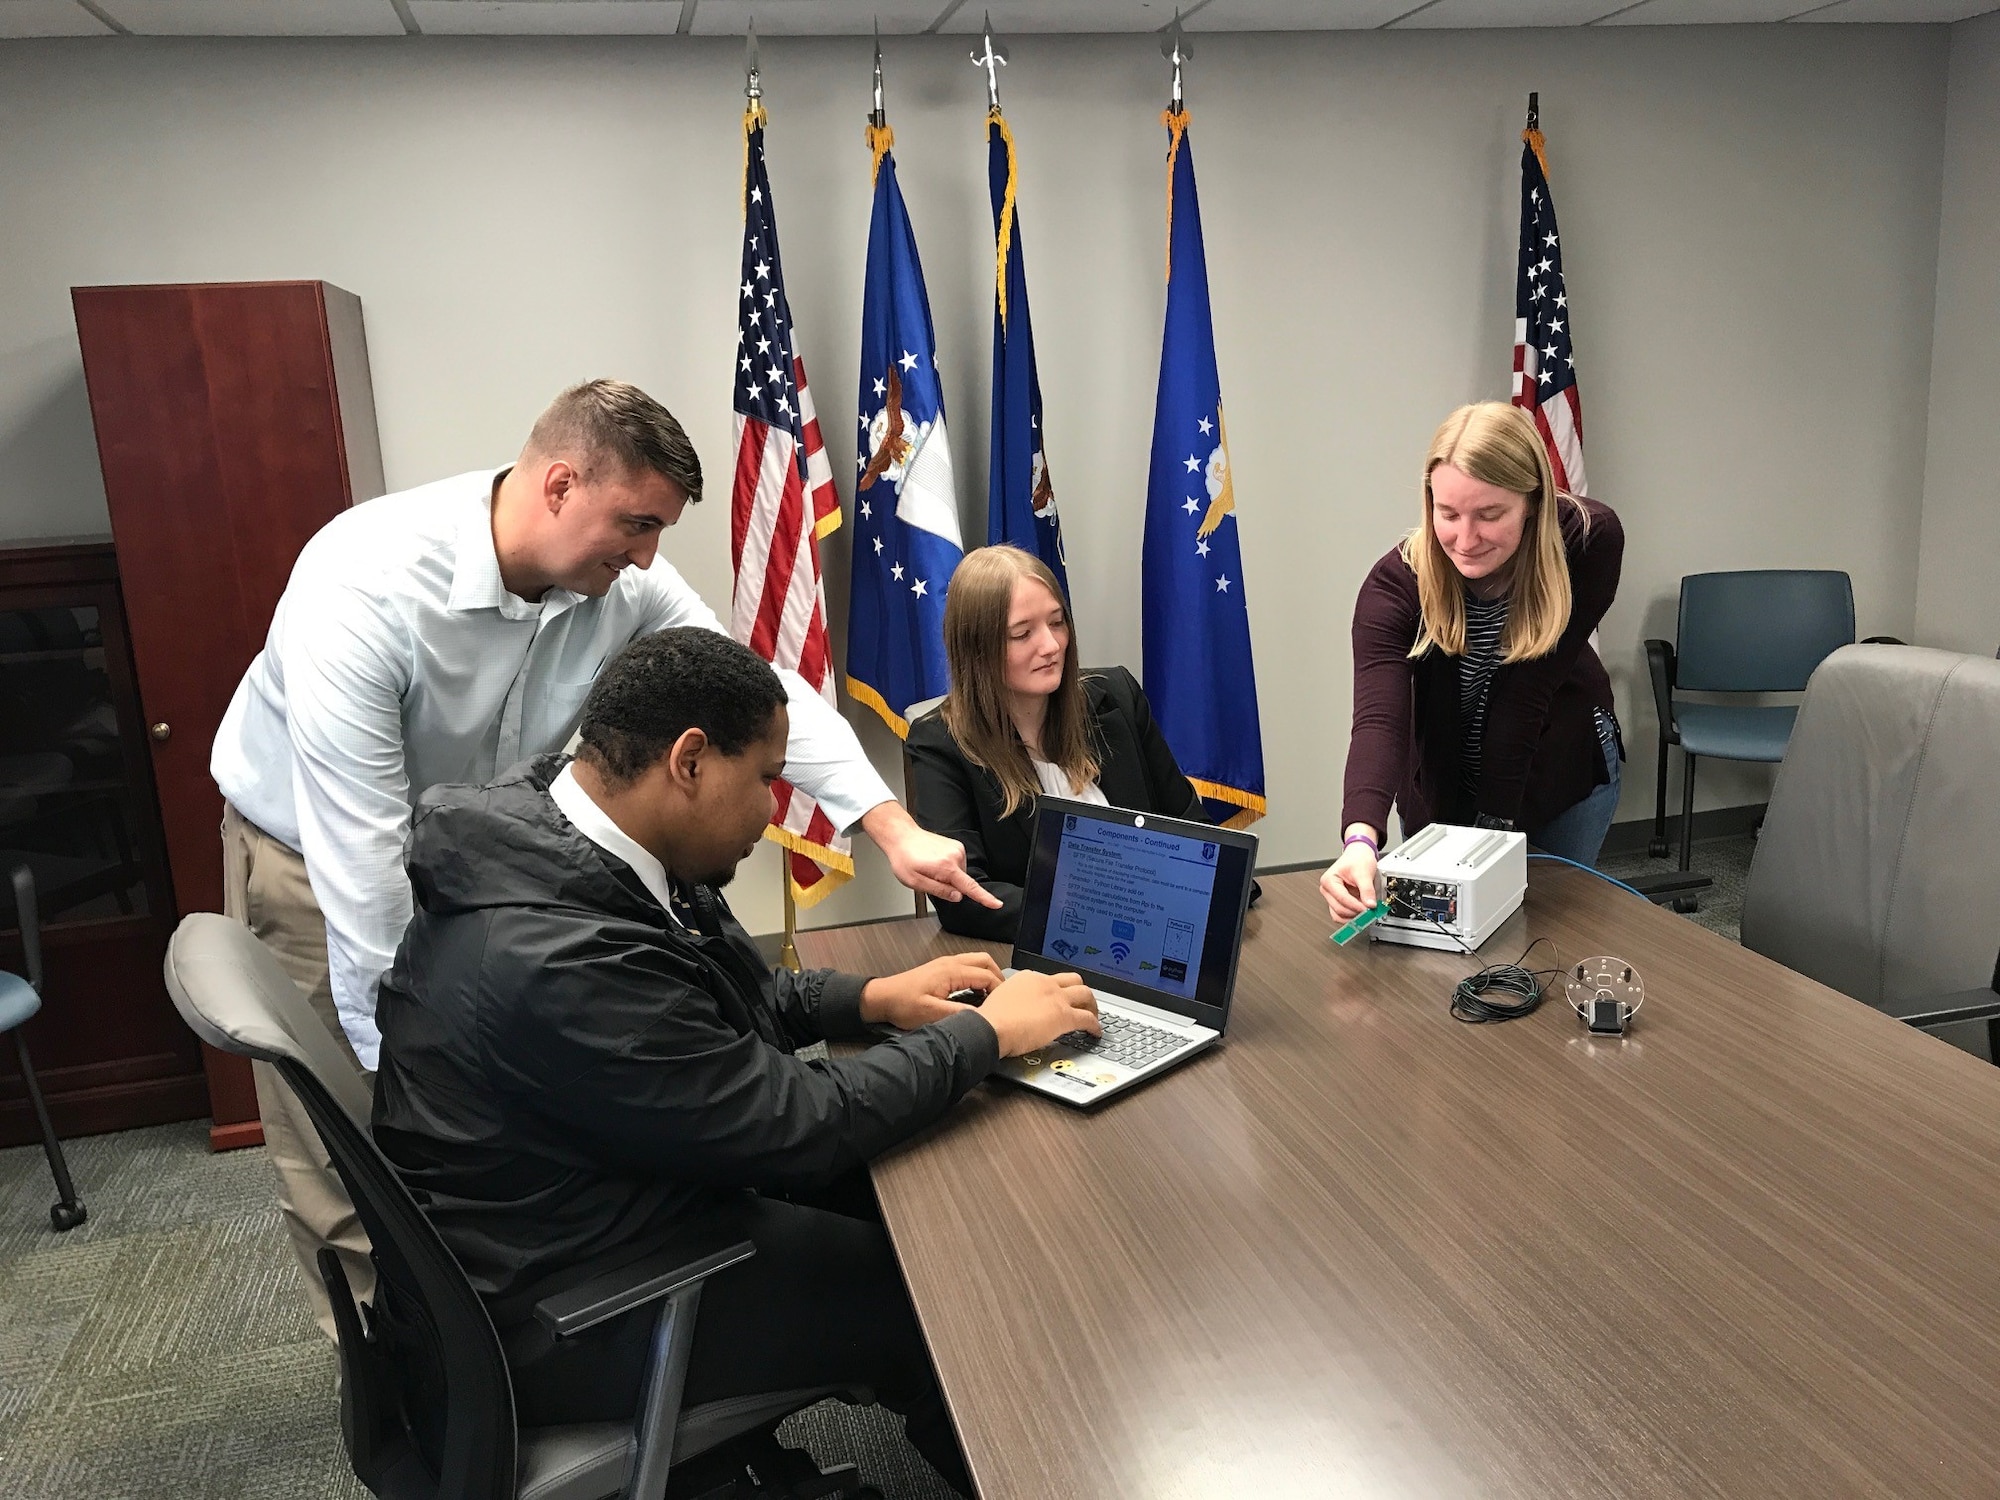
x=661 y=686
x=612 y=424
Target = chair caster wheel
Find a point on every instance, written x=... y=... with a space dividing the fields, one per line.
x=1687 y=905
x=66 y=1216
x=1657 y=849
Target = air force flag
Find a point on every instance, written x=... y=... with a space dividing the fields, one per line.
x=1020 y=500
x=906 y=538
x=1199 y=676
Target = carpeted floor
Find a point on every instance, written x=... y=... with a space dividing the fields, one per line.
x=1725 y=861
x=163 y=1349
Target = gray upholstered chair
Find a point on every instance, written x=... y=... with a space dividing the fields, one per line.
x=1878 y=871
x=443 y=1351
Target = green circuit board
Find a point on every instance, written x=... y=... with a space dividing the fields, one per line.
x=1352 y=930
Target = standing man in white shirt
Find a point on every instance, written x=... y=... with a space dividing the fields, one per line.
x=441 y=635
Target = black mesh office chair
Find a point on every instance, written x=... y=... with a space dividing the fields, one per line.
x=433 y=1364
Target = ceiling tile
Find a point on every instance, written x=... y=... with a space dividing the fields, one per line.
x=255 y=17
x=815 y=17
x=1707 y=12
x=1296 y=15
x=1449 y=13
x=48 y=18
x=546 y=17
x=1024 y=16
x=1901 y=10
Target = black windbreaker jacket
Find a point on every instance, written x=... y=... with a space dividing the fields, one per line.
x=567 y=1075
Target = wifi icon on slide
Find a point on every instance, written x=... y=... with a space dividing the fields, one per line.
x=1120 y=951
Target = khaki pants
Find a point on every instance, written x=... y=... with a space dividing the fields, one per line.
x=264 y=886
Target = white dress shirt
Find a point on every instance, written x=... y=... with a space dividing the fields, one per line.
x=595 y=824
x=397 y=661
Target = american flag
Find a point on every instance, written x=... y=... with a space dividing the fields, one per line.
x=1544 y=362
x=782 y=502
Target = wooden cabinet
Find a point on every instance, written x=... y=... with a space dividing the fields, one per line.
x=233 y=421
x=77 y=807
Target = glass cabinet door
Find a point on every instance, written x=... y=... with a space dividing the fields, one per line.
x=73 y=798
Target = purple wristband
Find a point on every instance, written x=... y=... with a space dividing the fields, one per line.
x=1362 y=838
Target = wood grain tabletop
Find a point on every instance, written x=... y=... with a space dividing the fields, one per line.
x=1752 y=1249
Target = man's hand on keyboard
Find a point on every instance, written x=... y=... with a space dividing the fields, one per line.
x=918 y=996
x=1031 y=1010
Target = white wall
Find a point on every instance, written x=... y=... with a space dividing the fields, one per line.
x=1750 y=217
x=1958 y=602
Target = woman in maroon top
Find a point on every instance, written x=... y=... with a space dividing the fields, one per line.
x=1477 y=695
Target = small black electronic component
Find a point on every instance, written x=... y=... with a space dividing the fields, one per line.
x=1605 y=992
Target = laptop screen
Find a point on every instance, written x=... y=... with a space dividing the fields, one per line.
x=1149 y=908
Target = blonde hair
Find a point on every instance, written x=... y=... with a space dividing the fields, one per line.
x=976 y=608
x=1496 y=444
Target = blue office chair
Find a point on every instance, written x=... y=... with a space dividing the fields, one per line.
x=1761 y=631
x=19 y=999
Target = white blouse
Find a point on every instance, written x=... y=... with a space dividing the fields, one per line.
x=1057 y=784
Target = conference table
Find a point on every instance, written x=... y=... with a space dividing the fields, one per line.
x=1362 y=1249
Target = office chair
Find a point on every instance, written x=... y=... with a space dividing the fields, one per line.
x=436 y=1346
x=1878 y=872
x=1750 y=632
x=1933 y=1013
x=19 y=999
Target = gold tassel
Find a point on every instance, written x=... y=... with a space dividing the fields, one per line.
x=1536 y=144
x=1176 y=123
x=880 y=139
x=1005 y=235
x=753 y=117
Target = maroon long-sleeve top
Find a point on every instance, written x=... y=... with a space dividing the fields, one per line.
x=1539 y=753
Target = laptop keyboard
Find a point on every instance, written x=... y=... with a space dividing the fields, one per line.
x=1126 y=1041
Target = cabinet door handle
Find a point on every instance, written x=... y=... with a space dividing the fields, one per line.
x=163 y=732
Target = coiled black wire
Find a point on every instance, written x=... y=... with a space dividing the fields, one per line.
x=1469 y=1002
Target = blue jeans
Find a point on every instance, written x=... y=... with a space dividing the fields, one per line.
x=1577 y=832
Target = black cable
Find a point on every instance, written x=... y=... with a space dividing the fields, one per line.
x=1468 y=997
x=1469 y=1002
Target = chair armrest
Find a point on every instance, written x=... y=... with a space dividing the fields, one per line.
x=1882 y=640
x=679 y=1266
x=1660 y=663
x=1944 y=1010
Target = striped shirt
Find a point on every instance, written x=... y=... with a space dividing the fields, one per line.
x=1485 y=623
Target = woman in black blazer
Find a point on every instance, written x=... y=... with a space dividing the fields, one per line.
x=1020 y=720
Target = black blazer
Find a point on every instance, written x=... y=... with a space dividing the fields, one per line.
x=952 y=796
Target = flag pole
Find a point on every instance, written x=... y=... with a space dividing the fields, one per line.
x=990 y=59
x=753 y=98
x=1176 y=49
x=788 y=954
x=878 y=117
x=1534 y=111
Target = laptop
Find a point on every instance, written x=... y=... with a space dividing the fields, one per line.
x=1149 y=911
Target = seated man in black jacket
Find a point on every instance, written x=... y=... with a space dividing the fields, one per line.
x=583 y=1052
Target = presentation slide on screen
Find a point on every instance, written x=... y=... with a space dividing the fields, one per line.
x=1131 y=902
